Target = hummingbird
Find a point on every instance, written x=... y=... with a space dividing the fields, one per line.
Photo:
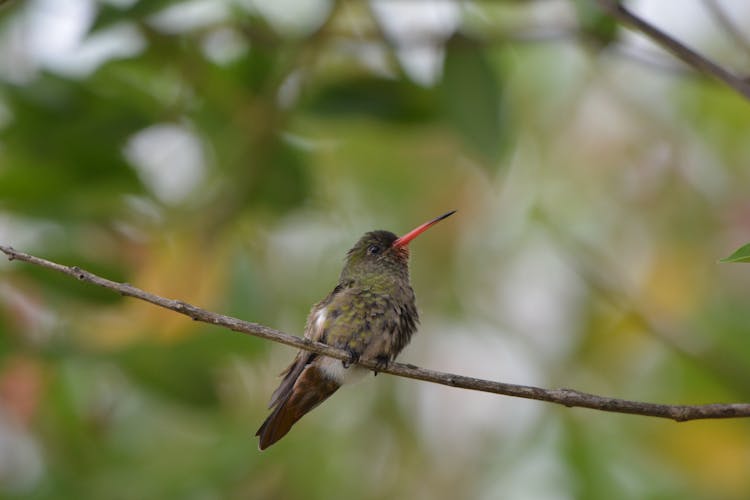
x=371 y=313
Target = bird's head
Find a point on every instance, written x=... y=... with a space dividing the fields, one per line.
x=382 y=254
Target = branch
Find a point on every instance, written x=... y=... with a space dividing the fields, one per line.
x=565 y=397
x=686 y=54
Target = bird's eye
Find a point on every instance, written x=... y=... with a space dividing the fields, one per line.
x=373 y=250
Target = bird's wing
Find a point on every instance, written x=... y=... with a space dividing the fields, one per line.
x=315 y=331
x=362 y=322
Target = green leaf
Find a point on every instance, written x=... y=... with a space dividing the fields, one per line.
x=471 y=97
x=394 y=101
x=108 y=14
x=183 y=371
x=740 y=255
x=61 y=155
x=595 y=24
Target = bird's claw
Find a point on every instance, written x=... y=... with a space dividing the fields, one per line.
x=381 y=361
x=353 y=358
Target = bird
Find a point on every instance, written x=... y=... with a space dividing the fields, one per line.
x=371 y=313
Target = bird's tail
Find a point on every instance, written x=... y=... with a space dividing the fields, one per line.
x=311 y=388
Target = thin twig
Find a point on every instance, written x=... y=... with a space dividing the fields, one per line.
x=689 y=56
x=654 y=61
x=565 y=397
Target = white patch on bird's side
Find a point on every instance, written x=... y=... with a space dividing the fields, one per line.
x=320 y=319
x=334 y=369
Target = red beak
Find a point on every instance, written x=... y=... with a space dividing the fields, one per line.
x=406 y=239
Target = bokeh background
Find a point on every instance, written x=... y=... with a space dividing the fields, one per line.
x=228 y=153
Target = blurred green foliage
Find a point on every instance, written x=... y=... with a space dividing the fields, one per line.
x=228 y=153
x=595 y=25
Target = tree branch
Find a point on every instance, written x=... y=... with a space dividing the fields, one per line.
x=565 y=397
x=617 y=10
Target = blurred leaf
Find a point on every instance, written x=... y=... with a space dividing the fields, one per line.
x=471 y=98
x=740 y=255
x=258 y=68
x=595 y=24
x=246 y=296
x=591 y=448
x=719 y=118
x=7 y=341
x=109 y=14
x=281 y=181
x=727 y=318
x=62 y=155
x=388 y=100
x=184 y=371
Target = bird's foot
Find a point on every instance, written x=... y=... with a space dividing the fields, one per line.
x=353 y=358
x=381 y=361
